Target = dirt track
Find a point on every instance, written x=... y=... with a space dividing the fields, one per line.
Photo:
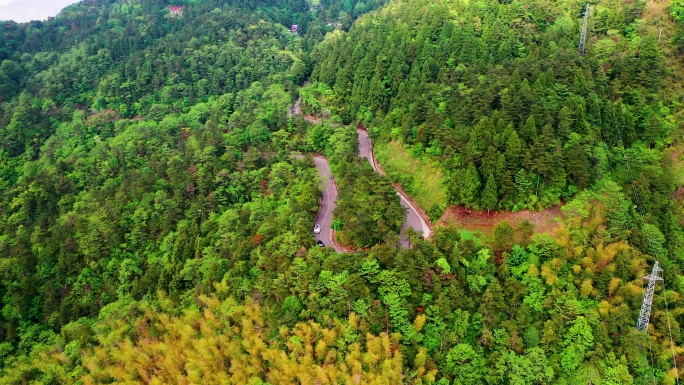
x=544 y=221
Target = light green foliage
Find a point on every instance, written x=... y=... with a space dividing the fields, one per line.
x=333 y=284
x=434 y=330
x=619 y=216
x=390 y=283
x=677 y=10
x=530 y=368
x=469 y=236
x=615 y=371
x=292 y=306
x=460 y=323
x=535 y=293
x=466 y=365
x=370 y=269
x=477 y=270
x=422 y=179
x=577 y=342
x=316 y=100
x=654 y=240
x=517 y=259
x=443 y=266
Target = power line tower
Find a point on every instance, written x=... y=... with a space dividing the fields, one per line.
x=583 y=37
x=645 y=315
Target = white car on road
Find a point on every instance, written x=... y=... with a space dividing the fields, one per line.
x=317 y=229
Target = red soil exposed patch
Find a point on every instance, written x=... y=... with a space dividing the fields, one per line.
x=544 y=221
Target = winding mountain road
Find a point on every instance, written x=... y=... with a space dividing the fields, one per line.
x=413 y=218
x=328 y=203
x=329 y=199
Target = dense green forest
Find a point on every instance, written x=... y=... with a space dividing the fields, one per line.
x=157 y=198
x=497 y=94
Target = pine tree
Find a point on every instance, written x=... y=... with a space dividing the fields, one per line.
x=489 y=162
x=511 y=99
x=348 y=6
x=564 y=122
x=471 y=186
x=500 y=167
x=513 y=152
x=508 y=191
x=490 y=196
x=529 y=130
x=576 y=162
x=654 y=129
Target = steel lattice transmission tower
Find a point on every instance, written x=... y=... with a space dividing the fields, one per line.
x=645 y=315
x=583 y=37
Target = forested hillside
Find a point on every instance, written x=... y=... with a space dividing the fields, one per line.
x=145 y=153
x=497 y=94
x=157 y=194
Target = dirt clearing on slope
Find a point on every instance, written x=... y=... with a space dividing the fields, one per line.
x=545 y=221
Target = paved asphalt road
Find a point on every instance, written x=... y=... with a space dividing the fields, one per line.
x=329 y=198
x=328 y=202
x=413 y=219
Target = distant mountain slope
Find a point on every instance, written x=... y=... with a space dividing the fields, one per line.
x=135 y=57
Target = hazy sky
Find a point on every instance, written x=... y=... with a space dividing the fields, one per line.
x=27 y=10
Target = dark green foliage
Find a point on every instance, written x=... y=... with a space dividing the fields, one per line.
x=368 y=206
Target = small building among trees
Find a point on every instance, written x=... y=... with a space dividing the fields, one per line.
x=175 y=10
